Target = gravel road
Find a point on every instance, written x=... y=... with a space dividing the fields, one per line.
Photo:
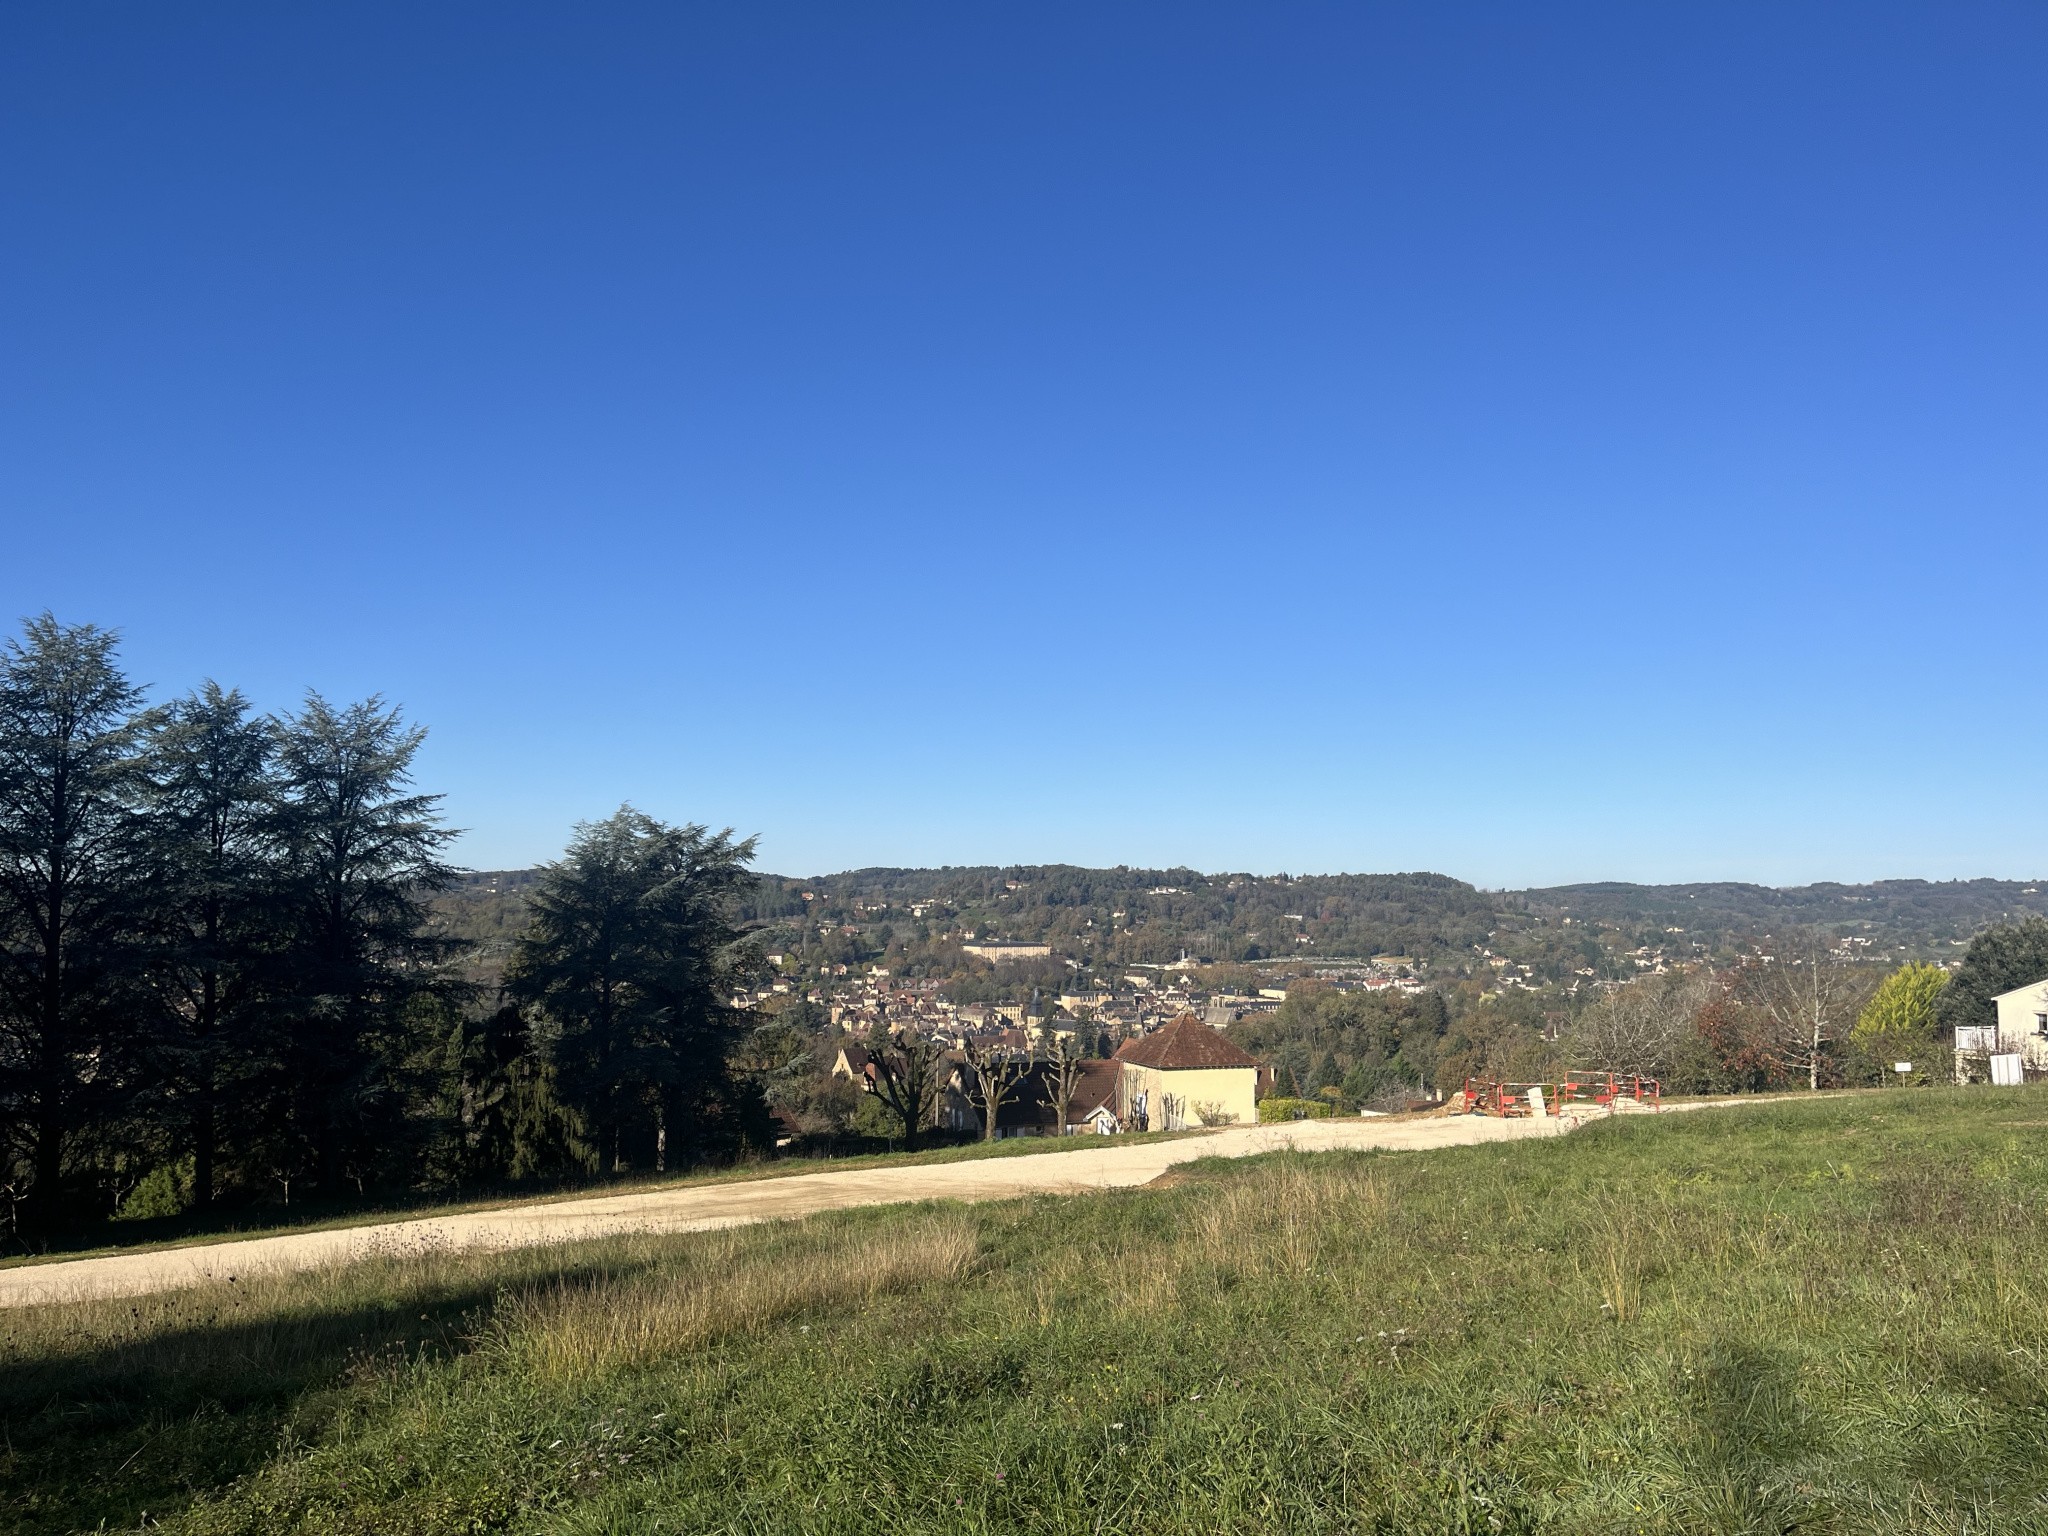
x=700 y=1207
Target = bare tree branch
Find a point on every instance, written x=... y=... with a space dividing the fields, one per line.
x=906 y=1077
x=1062 y=1079
x=1638 y=1028
x=1809 y=999
x=993 y=1073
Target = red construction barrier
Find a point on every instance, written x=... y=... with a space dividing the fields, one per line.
x=1606 y=1088
x=1508 y=1101
x=1484 y=1096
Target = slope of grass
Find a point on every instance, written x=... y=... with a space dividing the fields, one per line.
x=1827 y=1316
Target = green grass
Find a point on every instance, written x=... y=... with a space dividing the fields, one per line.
x=1822 y=1317
x=240 y=1228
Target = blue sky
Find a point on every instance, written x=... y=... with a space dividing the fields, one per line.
x=1532 y=443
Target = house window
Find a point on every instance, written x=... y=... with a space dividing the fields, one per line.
x=2041 y=1024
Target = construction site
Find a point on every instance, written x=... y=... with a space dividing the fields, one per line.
x=1575 y=1092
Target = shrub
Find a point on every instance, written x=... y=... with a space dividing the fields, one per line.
x=164 y=1191
x=1277 y=1111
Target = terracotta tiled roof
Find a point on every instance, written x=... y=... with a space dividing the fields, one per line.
x=1095 y=1088
x=1185 y=1043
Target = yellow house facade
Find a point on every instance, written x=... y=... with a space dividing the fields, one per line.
x=1183 y=1076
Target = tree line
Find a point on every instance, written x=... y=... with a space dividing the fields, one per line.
x=1803 y=1018
x=1806 y=1017
x=220 y=981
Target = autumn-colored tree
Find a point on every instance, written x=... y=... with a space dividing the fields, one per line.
x=1729 y=1052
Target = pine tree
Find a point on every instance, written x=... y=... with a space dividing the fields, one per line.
x=360 y=855
x=693 y=954
x=632 y=952
x=70 y=851
x=212 y=818
x=1361 y=1082
x=578 y=963
x=500 y=1114
x=1998 y=959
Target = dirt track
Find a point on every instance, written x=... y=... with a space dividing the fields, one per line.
x=699 y=1207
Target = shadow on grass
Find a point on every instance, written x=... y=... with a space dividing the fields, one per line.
x=123 y=1414
x=1749 y=1432
x=85 y=1425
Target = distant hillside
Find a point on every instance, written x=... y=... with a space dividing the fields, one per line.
x=486 y=911
x=1102 y=920
x=1128 y=916
x=1893 y=913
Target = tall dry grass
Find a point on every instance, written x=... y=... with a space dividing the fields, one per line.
x=1287 y=1217
x=724 y=1284
x=564 y=1311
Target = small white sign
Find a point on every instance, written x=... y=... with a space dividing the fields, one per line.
x=1902 y=1066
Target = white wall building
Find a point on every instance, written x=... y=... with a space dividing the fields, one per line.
x=2023 y=1024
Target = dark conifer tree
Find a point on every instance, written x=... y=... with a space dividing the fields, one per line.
x=695 y=953
x=215 y=893
x=1432 y=1018
x=1998 y=959
x=70 y=857
x=501 y=1117
x=360 y=854
x=578 y=963
x=631 y=954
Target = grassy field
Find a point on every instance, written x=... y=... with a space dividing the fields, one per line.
x=1827 y=1316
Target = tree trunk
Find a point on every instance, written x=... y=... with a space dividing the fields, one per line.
x=45 y=1199
x=204 y=1135
x=51 y=1072
x=328 y=1155
x=205 y=1122
x=49 y=1169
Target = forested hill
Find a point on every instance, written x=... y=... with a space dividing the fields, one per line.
x=1155 y=914
x=1120 y=917
x=1893 y=913
x=1151 y=915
